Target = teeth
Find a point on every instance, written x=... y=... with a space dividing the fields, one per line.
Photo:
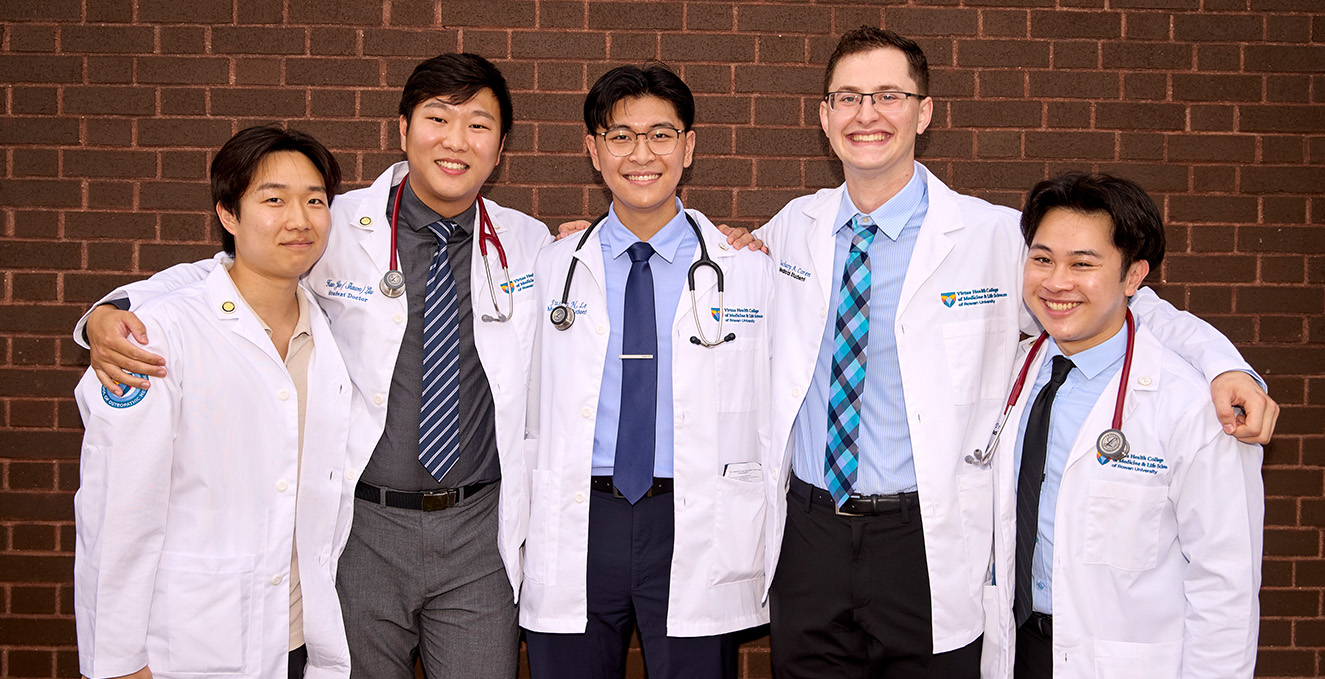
x=869 y=137
x=643 y=177
x=1061 y=306
x=452 y=166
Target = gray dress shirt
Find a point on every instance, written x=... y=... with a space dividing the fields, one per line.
x=395 y=461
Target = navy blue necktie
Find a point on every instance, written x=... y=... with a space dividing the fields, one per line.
x=632 y=468
x=439 y=425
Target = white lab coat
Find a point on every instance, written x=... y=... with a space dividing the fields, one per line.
x=720 y=402
x=954 y=362
x=369 y=326
x=1156 y=558
x=186 y=507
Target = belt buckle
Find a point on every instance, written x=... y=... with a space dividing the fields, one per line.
x=434 y=500
x=838 y=510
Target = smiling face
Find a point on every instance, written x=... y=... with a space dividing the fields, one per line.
x=1075 y=283
x=874 y=145
x=452 y=149
x=643 y=184
x=281 y=226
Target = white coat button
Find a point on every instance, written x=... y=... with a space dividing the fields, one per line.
x=796 y=392
x=283 y=395
x=823 y=312
x=281 y=486
x=379 y=399
x=774 y=470
x=579 y=498
x=1144 y=381
x=601 y=329
x=398 y=318
x=275 y=579
x=587 y=412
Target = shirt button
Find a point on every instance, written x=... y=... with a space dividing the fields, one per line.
x=283 y=395
x=281 y=486
x=398 y=318
x=579 y=498
x=601 y=329
x=823 y=312
x=587 y=412
x=276 y=579
x=378 y=399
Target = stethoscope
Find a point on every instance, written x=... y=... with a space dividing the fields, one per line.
x=393 y=282
x=1111 y=444
x=563 y=316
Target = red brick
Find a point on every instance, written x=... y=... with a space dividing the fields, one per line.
x=31 y=38
x=355 y=72
x=1203 y=87
x=719 y=171
x=511 y=13
x=1133 y=116
x=1300 y=239
x=1216 y=28
x=1069 y=24
x=257 y=40
x=1003 y=53
x=335 y=41
x=1145 y=86
x=779 y=18
x=110 y=70
x=75 y=39
x=1285 y=662
x=335 y=12
x=40 y=68
x=1284 y=59
x=779 y=79
x=1146 y=26
x=558 y=45
x=1280 y=28
x=703 y=47
x=913 y=21
x=1211 y=118
x=1075 y=54
x=1228 y=209
x=175 y=132
x=1288 y=89
x=996 y=114
x=1017 y=175
x=1132 y=55
x=396 y=42
x=1070 y=145
x=285 y=102
x=572 y=15
x=197 y=12
x=784 y=142
x=634 y=16
x=1070 y=84
x=1283 y=180
x=413 y=12
x=183 y=40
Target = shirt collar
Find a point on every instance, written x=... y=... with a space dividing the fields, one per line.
x=617 y=238
x=892 y=216
x=1095 y=360
x=417 y=215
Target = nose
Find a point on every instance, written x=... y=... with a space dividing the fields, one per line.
x=1059 y=278
x=867 y=112
x=453 y=136
x=641 y=154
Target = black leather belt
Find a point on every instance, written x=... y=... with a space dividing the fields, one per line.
x=1040 y=623
x=856 y=505
x=603 y=484
x=426 y=501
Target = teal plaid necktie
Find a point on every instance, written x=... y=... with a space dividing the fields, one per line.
x=850 y=338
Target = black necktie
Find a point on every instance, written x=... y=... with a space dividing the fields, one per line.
x=1029 y=480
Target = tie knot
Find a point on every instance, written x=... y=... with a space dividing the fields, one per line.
x=1062 y=366
x=864 y=228
x=640 y=252
x=442 y=229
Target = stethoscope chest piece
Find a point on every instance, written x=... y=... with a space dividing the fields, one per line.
x=393 y=284
x=562 y=317
x=1112 y=444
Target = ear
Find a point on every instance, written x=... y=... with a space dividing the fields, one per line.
x=500 y=147
x=690 y=149
x=404 y=131
x=229 y=221
x=593 y=150
x=1135 y=274
x=824 y=112
x=926 y=114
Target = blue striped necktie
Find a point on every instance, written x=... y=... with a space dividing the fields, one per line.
x=439 y=425
x=848 y=377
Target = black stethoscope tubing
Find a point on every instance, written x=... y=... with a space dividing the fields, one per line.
x=562 y=316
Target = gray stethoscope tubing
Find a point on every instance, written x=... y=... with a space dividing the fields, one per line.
x=562 y=316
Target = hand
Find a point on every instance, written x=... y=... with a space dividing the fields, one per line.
x=740 y=237
x=568 y=228
x=1236 y=390
x=114 y=356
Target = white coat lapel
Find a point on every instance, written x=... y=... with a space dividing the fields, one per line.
x=706 y=280
x=933 y=243
x=235 y=315
x=821 y=238
x=1144 y=376
x=590 y=265
x=371 y=223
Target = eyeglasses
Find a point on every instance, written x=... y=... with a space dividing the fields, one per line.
x=621 y=141
x=882 y=101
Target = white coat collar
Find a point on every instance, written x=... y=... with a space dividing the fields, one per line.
x=235 y=314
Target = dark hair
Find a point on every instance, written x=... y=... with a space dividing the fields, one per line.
x=456 y=78
x=1138 y=228
x=629 y=82
x=237 y=161
x=869 y=38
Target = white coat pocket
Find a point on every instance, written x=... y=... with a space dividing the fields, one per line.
x=1122 y=525
x=206 y=607
x=975 y=493
x=541 y=547
x=738 y=530
x=1131 y=660
x=979 y=353
x=738 y=379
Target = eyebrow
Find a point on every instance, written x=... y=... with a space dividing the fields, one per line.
x=1087 y=253
x=882 y=88
x=277 y=186
x=438 y=103
x=622 y=126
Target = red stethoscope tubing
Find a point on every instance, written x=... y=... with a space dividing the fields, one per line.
x=1122 y=384
x=487 y=233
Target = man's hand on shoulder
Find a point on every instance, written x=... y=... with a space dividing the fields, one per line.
x=1236 y=391
x=741 y=237
x=114 y=356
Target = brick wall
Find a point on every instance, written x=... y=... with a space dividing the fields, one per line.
x=111 y=109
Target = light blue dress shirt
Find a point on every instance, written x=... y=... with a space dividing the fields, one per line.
x=884 y=461
x=1093 y=368
x=675 y=245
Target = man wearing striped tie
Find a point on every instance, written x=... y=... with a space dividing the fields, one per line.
x=440 y=356
x=896 y=319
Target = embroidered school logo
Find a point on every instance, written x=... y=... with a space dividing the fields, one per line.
x=1101 y=459
x=520 y=284
x=972 y=297
x=949 y=298
x=131 y=397
x=717 y=313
